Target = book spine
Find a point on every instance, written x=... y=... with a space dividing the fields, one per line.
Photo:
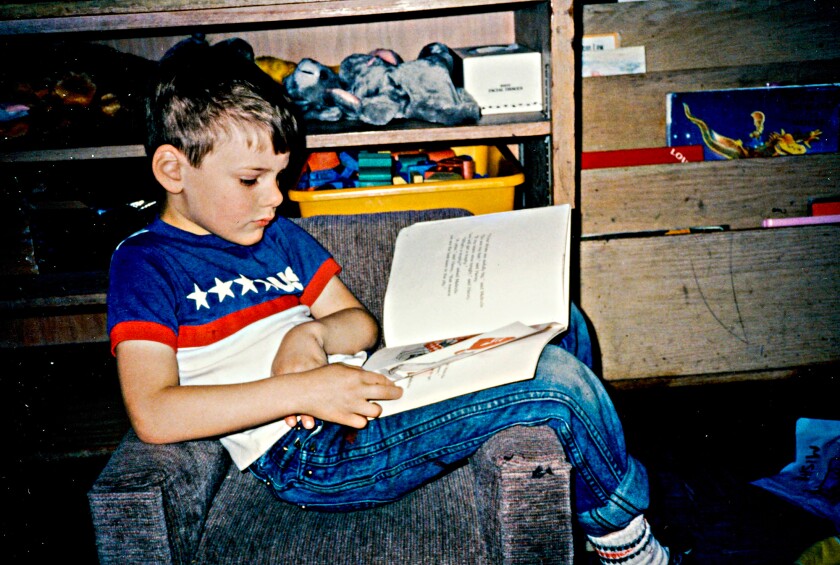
x=800 y=221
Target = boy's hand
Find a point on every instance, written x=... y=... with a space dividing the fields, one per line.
x=339 y=393
x=342 y=394
x=302 y=349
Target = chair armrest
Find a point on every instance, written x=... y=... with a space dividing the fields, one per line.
x=523 y=487
x=150 y=502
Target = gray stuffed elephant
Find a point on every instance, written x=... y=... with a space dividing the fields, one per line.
x=379 y=87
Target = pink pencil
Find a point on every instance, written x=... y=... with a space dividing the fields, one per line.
x=800 y=221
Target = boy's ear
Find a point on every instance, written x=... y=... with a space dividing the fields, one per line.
x=167 y=164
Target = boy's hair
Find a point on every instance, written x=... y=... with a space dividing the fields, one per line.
x=201 y=92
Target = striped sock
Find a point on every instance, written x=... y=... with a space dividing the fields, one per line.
x=634 y=545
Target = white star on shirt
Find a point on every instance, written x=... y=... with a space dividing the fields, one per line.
x=222 y=289
x=266 y=284
x=246 y=284
x=200 y=297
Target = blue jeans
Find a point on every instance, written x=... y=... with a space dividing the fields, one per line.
x=336 y=468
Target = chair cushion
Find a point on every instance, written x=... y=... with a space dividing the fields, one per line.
x=438 y=522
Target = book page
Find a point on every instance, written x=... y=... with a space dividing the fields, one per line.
x=409 y=360
x=466 y=276
x=515 y=361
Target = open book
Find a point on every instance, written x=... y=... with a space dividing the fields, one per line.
x=471 y=302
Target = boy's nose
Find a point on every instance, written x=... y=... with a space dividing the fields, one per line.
x=275 y=196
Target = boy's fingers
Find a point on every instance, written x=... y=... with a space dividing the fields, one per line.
x=376 y=408
x=390 y=392
x=385 y=386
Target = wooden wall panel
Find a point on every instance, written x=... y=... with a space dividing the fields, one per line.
x=697 y=34
x=737 y=304
x=329 y=44
x=712 y=304
x=737 y=193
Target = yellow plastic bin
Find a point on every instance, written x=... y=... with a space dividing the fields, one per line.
x=493 y=193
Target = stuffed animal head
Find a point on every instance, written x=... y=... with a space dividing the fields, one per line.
x=312 y=87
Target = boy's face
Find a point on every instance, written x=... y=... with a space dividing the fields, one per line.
x=233 y=193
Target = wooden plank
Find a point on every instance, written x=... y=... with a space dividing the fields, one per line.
x=53 y=329
x=626 y=112
x=713 y=379
x=721 y=33
x=753 y=300
x=738 y=193
x=74 y=154
x=52 y=17
x=508 y=126
x=511 y=126
x=317 y=8
x=563 y=111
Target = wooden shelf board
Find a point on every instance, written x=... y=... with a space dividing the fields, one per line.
x=327 y=135
x=53 y=17
x=492 y=127
x=73 y=154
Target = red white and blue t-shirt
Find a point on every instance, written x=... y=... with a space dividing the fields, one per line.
x=223 y=307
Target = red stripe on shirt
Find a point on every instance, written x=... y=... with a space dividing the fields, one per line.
x=326 y=272
x=217 y=330
x=147 y=331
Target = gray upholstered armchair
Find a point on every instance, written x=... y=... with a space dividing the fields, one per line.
x=187 y=503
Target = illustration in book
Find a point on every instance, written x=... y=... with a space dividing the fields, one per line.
x=756 y=122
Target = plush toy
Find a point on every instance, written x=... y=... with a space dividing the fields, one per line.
x=433 y=97
x=378 y=87
x=276 y=68
x=317 y=90
x=387 y=88
x=372 y=93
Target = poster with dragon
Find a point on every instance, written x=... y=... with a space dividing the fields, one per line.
x=774 y=121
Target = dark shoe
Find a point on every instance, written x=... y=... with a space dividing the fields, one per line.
x=676 y=557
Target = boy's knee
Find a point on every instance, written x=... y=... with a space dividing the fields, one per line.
x=565 y=371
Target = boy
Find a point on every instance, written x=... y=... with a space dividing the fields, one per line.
x=226 y=321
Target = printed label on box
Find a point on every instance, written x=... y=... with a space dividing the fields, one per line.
x=600 y=42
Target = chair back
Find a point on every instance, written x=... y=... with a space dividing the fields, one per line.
x=363 y=245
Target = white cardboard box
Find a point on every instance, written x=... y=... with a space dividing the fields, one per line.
x=501 y=78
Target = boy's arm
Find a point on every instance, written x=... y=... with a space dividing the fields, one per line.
x=162 y=411
x=341 y=325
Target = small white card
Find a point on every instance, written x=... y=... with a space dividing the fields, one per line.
x=620 y=61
